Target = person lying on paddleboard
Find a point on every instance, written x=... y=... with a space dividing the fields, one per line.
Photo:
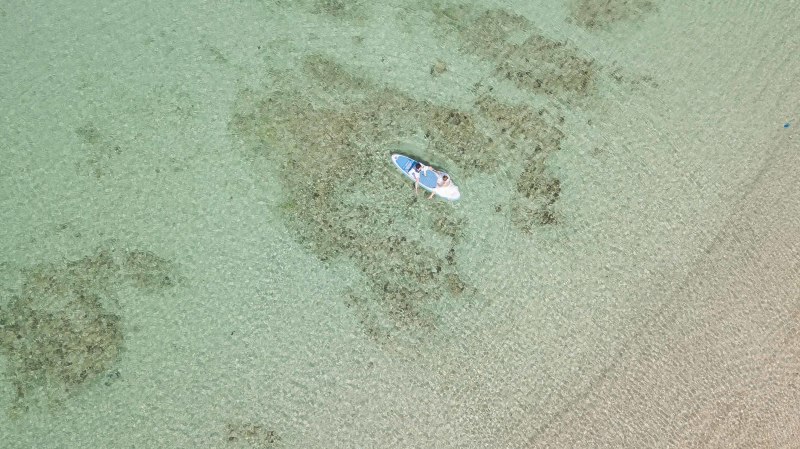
x=442 y=182
x=415 y=173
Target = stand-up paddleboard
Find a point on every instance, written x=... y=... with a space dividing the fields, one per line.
x=428 y=178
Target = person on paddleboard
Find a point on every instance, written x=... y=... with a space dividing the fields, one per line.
x=416 y=171
x=442 y=181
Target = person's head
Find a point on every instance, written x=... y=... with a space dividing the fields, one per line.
x=445 y=178
x=418 y=166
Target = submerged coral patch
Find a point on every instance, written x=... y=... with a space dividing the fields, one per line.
x=542 y=65
x=538 y=192
x=455 y=135
x=523 y=55
x=492 y=33
x=100 y=151
x=250 y=435
x=64 y=328
x=603 y=13
x=61 y=349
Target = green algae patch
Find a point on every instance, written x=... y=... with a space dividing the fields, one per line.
x=64 y=329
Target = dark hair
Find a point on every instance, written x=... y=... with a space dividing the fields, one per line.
x=445 y=177
x=417 y=165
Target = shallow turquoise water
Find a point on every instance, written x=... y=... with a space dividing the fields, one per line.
x=166 y=160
